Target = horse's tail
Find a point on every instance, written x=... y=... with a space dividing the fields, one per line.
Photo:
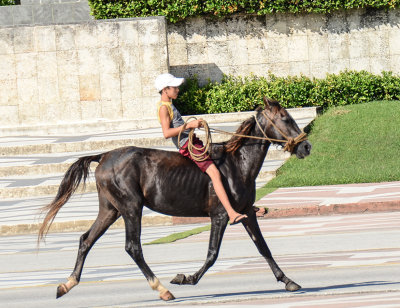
x=69 y=184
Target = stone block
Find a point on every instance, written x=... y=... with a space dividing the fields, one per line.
x=358 y=45
x=277 y=50
x=6 y=41
x=359 y=64
x=256 y=51
x=82 y=11
x=6 y=16
x=378 y=43
x=129 y=60
x=176 y=34
x=45 y=38
x=258 y=69
x=107 y=34
x=337 y=23
x=24 y=39
x=8 y=92
x=91 y=110
x=111 y=109
x=297 y=24
x=70 y=111
x=131 y=86
x=338 y=65
x=7 y=67
x=25 y=64
x=196 y=30
x=236 y=28
x=47 y=65
x=23 y=15
x=177 y=54
x=149 y=58
x=148 y=31
x=65 y=37
x=316 y=24
x=338 y=46
x=42 y=14
x=218 y=52
x=133 y=108
x=280 y=69
x=147 y=83
x=9 y=115
x=394 y=41
x=395 y=63
x=319 y=69
x=88 y=61
x=297 y=48
x=68 y=87
x=255 y=27
x=379 y=64
x=276 y=25
x=29 y=109
x=216 y=30
x=237 y=52
x=318 y=47
x=128 y=34
x=86 y=36
x=299 y=68
x=148 y=106
x=197 y=53
x=89 y=87
x=108 y=60
x=47 y=92
x=110 y=87
x=63 y=13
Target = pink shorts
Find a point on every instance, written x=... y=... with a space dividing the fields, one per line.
x=203 y=165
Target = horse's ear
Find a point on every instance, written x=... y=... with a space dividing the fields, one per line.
x=267 y=103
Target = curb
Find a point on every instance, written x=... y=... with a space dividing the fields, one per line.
x=333 y=209
x=163 y=220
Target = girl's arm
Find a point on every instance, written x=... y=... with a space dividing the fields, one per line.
x=169 y=132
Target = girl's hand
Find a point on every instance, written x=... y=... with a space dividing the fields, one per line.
x=195 y=124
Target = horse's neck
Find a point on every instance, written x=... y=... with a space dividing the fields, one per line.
x=250 y=157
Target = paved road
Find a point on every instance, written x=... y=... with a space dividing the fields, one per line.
x=343 y=261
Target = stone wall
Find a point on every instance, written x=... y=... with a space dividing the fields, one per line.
x=81 y=72
x=44 y=12
x=286 y=44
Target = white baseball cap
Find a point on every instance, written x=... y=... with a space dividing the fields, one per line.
x=167 y=80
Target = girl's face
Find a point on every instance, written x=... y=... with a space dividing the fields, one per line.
x=172 y=92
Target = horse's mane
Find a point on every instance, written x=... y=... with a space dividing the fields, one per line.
x=235 y=142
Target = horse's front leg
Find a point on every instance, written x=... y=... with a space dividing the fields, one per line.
x=254 y=231
x=218 y=225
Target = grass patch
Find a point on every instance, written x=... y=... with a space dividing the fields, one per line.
x=351 y=144
x=179 y=235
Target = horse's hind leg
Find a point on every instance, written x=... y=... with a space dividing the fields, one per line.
x=134 y=249
x=106 y=217
x=254 y=231
x=218 y=225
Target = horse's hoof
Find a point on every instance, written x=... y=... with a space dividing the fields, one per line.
x=61 y=290
x=179 y=279
x=292 y=286
x=167 y=296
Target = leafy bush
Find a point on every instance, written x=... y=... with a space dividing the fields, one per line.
x=176 y=10
x=8 y=2
x=244 y=94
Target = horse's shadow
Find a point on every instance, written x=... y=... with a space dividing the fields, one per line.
x=271 y=292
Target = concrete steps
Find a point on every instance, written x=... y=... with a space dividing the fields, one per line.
x=32 y=167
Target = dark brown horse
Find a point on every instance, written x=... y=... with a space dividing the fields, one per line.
x=166 y=182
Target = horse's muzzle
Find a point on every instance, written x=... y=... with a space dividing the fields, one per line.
x=303 y=149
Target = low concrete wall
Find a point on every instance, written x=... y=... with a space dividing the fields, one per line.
x=286 y=44
x=81 y=72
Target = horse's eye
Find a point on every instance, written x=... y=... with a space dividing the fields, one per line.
x=284 y=119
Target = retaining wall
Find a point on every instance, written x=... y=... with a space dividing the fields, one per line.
x=286 y=44
x=104 y=70
x=81 y=72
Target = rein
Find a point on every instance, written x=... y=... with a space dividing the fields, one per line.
x=290 y=143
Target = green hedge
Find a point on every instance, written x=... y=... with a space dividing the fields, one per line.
x=176 y=10
x=244 y=94
x=8 y=2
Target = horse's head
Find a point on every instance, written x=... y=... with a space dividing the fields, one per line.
x=279 y=125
